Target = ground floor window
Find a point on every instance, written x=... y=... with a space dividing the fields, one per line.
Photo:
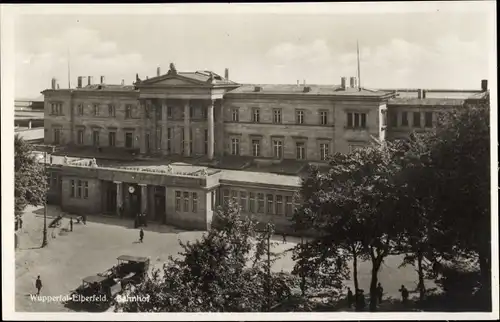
x=235 y=146
x=270 y=202
x=186 y=201
x=279 y=205
x=243 y=200
x=178 y=201
x=226 y=196
x=195 y=202
x=260 y=203
x=251 y=204
x=288 y=206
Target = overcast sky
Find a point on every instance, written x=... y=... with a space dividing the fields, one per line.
x=443 y=48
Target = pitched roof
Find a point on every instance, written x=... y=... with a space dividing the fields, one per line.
x=107 y=87
x=307 y=90
x=204 y=76
x=410 y=101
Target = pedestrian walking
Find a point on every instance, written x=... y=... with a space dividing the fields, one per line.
x=380 y=292
x=84 y=218
x=71 y=224
x=350 y=297
x=284 y=239
x=404 y=293
x=362 y=302
x=141 y=235
x=38 y=285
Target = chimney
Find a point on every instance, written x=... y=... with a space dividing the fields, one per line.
x=79 y=82
x=158 y=71
x=343 y=81
x=484 y=85
x=226 y=73
x=90 y=80
x=353 y=82
x=424 y=93
x=123 y=82
x=54 y=82
x=419 y=93
x=102 y=79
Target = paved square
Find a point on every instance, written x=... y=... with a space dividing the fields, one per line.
x=93 y=248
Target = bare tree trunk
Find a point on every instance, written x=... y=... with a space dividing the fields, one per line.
x=373 y=284
x=355 y=269
x=421 y=284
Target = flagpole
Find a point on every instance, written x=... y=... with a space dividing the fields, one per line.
x=69 y=74
x=359 y=70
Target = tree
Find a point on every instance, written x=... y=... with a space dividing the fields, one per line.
x=460 y=160
x=30 y=185
x=351 y=207
x=225 y=271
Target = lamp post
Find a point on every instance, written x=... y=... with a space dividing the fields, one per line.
x=44 y=240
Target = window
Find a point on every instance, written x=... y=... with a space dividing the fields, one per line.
x=226 y=196
x=195 y=202
x=384 y=117
x=256 y=148
x=260 y=203
x=80 y=109
x=301 y=150
x=234 y=196
x=183 y=140
x=128 y=111
x=57 y=136
x=178 y=201
x=277 y=115
x=72 y=191
x=299 y=116
x=203 y=113
x=79 y=189
x=288 y=206
x=96 y=110
x=112 y=138
x=190 y=141
x=86 y=190
x=243 y=200
x=206 y=142
x=129 y=143
x=169 y=140
x=235 y=146
x=111 y=110
x=80 y=137
x=256 y=115
x=416 y=119
x=56 y=108
x=251 y=203
x=356 y=120
x=278 y=149
x=95 y=138
x=270 y=200
x=323 y=116
x=393 y=118
x=235 y=115
x=169 y=111
x=186 y=201
x=428 y=119
x=404 y=118
x=158 y=138
x=279 y=205
x=324 y=151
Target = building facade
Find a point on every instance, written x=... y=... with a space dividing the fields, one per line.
x=204 y=115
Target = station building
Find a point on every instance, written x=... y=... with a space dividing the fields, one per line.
x=178 y=144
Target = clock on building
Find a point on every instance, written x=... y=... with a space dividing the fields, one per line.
x=131 y=189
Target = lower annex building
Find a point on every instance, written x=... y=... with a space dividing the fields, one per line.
x=176 y=145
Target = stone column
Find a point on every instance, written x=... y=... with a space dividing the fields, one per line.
x=164 y=130
x=142 y=111
x=119 y=196
x=165 y=215
x=220 y=128
x=187 y=129
x=211 y=133
x=144 y=197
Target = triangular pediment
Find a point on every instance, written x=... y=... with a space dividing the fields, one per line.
x=174 y=80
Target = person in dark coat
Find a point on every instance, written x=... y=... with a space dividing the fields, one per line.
x=362 y=302
x=71 y=224
x=38 y=285
x=84 y=219
x=404 y=293
x=380 y=292
x=141 y=235
x=284 y=239
x=350 y=297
